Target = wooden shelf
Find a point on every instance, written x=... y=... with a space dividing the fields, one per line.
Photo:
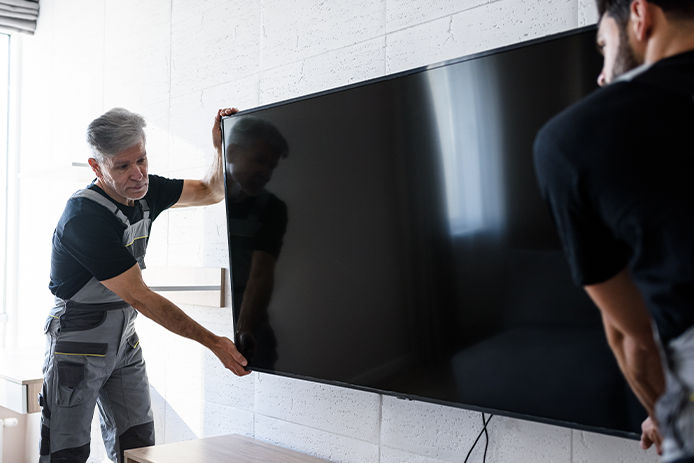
x=227 y=449
x=20 y=380
x=188 y=285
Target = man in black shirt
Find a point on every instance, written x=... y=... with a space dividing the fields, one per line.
x=93 y=355
x=616 y=171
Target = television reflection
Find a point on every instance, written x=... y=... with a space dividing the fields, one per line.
x=256 y=224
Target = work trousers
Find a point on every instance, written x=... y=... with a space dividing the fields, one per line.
x=93 y=357
x=675 y=408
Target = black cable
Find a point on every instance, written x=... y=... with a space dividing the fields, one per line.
x=486 y=437
x=483 y=431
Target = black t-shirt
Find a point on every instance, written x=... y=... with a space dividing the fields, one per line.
x=271 y=213
x=617 y=172
x=88 y=240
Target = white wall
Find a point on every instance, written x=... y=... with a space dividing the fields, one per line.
x=176 y=62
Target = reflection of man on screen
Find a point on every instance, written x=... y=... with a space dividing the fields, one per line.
x=257 y=221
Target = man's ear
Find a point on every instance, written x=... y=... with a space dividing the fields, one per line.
x=641 y=19
x=94 y=164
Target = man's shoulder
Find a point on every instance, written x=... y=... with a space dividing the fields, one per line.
x=82 y=214
x=163 y=192
x=159 y=181
x=602 y=119
x=600 y=105
x=672 y=75
x=79 y=204
x=82 y=208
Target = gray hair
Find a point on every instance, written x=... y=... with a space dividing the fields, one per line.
x=248 y=129
x=116 y=130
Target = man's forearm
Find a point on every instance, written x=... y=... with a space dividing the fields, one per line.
x=167 y=314
x=132 y=289
x=215 y=177
x=640 y=363
x=630 y=335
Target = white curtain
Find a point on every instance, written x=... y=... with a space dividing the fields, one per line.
x=19 y=15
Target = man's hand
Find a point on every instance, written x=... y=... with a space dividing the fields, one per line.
x=232 y=359
x=650 y=434
x=217 y=129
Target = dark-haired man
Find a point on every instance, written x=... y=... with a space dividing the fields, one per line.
x=616 y=171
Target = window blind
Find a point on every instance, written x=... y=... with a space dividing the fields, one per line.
x=19 y=15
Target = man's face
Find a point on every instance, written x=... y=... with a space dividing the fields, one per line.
x=251 y=168
x=613 y=43
x=124 y=176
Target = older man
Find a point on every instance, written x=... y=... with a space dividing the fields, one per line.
x=94 y=356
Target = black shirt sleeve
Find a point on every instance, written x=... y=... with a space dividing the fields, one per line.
x=162 y=194
x=594 y=253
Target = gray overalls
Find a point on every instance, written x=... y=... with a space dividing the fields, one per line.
x=93 y=358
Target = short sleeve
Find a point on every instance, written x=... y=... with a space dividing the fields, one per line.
x=163 y=193
x=594 y=253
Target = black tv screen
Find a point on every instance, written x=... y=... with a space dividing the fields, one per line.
x=390 y=236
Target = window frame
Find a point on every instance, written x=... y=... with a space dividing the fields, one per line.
x=5 y=55
x=9 y=128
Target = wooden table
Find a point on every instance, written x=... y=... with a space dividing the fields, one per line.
x=20 y=380
x=223 y=449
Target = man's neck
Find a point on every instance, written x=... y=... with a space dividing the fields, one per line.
x=670 y=42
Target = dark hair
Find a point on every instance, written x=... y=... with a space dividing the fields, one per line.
x=248 y=129
x=619 y=9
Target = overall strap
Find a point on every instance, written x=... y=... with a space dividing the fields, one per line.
x=100 y=199
x=94 y=294
x=145 y=208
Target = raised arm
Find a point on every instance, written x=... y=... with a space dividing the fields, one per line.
x=130 y=286
x=210 y=189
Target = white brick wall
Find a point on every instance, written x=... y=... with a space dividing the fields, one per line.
x=176 y=62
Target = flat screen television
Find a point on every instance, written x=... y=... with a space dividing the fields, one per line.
x=402 y=245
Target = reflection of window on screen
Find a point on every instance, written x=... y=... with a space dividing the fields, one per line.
x=463 y=95
x=4 y=167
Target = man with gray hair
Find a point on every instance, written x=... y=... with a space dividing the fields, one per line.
x=93 y=355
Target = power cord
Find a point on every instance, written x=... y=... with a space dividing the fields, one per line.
x=485 y=422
